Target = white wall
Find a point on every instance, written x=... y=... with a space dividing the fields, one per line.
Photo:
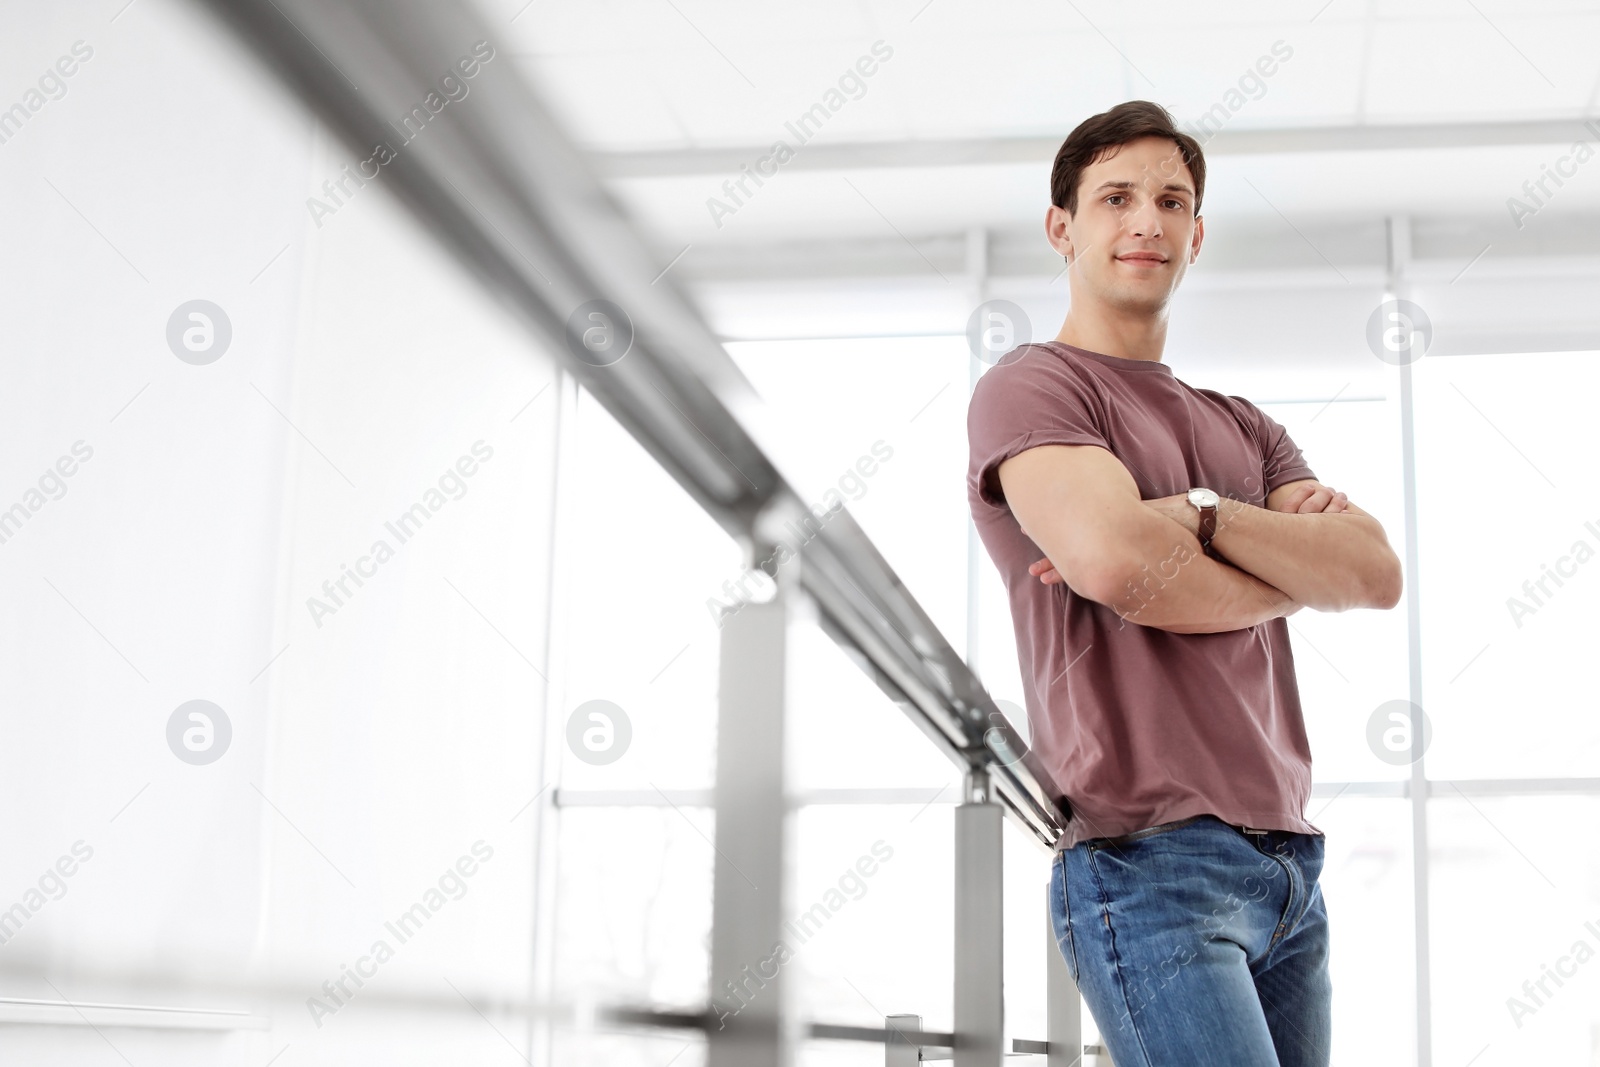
x=369 y=752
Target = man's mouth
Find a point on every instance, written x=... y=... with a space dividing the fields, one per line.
x=1143 y=259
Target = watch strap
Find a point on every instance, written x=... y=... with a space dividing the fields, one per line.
x=1208 y=526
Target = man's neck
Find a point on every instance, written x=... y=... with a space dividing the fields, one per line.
x=1127 y=339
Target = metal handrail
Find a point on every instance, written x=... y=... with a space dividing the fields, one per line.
x=504 y=189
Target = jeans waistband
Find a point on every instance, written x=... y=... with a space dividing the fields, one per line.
x=1101 y=842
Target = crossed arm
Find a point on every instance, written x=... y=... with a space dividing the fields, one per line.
x=1309 y=547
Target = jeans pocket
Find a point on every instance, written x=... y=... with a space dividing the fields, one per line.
x=1061 y=913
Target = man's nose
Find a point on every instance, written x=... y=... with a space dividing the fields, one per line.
x=1145 y=221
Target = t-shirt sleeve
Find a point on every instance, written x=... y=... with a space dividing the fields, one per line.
x=1030 y=401
x=1281 y=459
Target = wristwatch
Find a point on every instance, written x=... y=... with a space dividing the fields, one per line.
x=1206 y=500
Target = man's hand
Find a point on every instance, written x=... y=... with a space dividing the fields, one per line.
x=1310 y=500
x=1305 y=500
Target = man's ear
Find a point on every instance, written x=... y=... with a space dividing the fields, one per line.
x=1064 y=248
x=1199 y=236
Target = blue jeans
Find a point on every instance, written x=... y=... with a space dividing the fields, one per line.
x=1196 y=944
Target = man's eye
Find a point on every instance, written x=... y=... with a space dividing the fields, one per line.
x=1113 y=196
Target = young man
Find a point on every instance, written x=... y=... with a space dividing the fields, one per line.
x=1178 y=528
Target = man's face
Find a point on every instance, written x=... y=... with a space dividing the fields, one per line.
x=1135 y=231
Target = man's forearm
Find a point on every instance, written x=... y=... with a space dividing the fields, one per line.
x=1330 y=561
x=1174 y=586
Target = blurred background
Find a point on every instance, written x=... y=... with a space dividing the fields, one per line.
x=266 y=446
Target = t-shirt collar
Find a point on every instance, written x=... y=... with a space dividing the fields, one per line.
x=1119 y=362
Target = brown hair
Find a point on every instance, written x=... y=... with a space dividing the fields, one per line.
x=1126 y=122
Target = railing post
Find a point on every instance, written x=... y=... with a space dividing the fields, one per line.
x=748 y=1024
x=1063 y=1004
x=979 y=993
x=900 y=1052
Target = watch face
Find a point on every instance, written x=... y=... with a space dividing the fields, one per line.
x=1203 y=498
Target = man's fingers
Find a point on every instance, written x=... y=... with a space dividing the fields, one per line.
x=1337 y=502
x=1292 y=502
x=1316 y=502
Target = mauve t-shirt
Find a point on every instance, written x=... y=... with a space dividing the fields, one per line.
x=1141 y=726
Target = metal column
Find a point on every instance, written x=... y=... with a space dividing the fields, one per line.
x=747 y=1024
x=979 y=993
x=1063 y=1004
x=901 y=1051
x=1398 y=231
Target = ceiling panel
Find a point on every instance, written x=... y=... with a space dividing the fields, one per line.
x=994 y=83
x=1318 y=83
x=701 y=74
x=606 y=103
x=697 y=73
x=1469 y=68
